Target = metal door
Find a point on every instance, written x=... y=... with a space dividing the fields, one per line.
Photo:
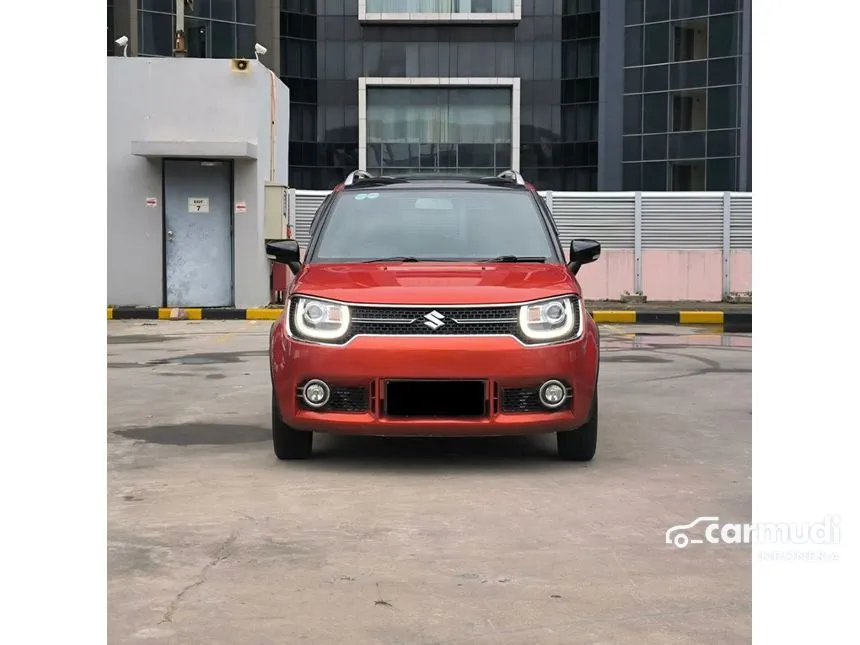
x=198 y=235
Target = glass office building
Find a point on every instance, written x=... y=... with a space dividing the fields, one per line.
x=577 y=94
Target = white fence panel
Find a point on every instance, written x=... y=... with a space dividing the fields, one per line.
x=741 y=221
x=606 y=217
x=306 y=203
x=682 y=220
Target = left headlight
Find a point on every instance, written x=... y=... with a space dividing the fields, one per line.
x=319 y=319
x=551 y=319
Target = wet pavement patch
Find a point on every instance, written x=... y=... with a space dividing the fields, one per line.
x=197 y=434
x=207 y=359
x=607 y=357
x=134 y=339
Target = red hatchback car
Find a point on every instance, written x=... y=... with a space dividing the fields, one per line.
x=434 y=306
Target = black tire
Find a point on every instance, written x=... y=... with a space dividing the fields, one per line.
x=288 y=442
x=580 y=444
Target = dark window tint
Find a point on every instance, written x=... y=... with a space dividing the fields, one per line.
x=655 y=78
x=721 y=143
x=721 y=174
x=654 y=175
x=657 y=43
x=689 y=75
x=632 y=148
x=723 y=71
x=656 y=10
x=634 y=12
x=166 y=6
x=723 y=35
x=633 y=114
x=246 y=11
x=224 y=9
x=655 y=112
x=464 y=223
x=722 y=107
x=223 y=40
x=631 y=176
x=156 y=34
x=632 y=80
x=632 y=46
x=689 y=8
x=724 y=6
x=654 y=147
x=689 y=145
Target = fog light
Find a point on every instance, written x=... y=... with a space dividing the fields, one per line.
x=552 y=394
x=316 y=393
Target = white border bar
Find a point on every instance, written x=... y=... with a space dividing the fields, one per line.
x=365 y=81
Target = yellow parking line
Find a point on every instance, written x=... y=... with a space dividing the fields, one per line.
x=263 y=314
x=701 y=317
x=614 y=316
x=110 y=313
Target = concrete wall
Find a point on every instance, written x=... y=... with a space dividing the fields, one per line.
x=189 y=101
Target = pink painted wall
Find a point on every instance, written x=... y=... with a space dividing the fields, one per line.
x=740 y=268
x=609 y=277
x=682 y=275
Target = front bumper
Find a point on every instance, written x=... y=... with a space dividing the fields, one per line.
x=368 y=361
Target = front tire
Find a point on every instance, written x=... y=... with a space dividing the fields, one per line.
x=288 y=442
x=580 y=444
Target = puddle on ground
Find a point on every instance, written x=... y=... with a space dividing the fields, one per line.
x=215 y=358
x=198 y=434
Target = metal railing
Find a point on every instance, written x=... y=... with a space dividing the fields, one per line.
x=634 y=221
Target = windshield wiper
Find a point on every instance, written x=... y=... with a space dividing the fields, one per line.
x=516 y=258
x=395 y=258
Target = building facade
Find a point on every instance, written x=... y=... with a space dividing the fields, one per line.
x=576 y=94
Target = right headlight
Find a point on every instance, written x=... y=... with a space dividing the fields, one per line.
x=319 y=319
x=549 y=320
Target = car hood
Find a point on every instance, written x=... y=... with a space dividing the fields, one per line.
x=435 y=283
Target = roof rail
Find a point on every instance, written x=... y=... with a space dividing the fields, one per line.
x=512 y=175
x=355 y=176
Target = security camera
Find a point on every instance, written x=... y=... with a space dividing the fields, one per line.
x=259 y=50
x=122 y=41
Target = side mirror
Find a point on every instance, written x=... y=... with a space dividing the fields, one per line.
x=583 y=252
x=285 y=252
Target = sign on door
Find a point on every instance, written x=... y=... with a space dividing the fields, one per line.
x=198 y=204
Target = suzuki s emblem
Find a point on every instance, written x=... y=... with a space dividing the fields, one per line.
x=434 y=320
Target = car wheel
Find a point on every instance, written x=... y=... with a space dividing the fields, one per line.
x=288 y=442
x=580 y=444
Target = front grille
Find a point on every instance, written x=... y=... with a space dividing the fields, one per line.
x=443 y=321
x=343 y=399
x=525 y=399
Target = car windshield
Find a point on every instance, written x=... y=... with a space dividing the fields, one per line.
x=447 y=224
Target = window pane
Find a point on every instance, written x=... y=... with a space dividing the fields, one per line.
x=723 y=36
x=245 y=39
x=631 y=176
x=165 y=6
x=721 y=174
x=656 y=10
x=200 y=9
x=724 y=6
x=246 y=11
x=723 y=71
x=655 y=113
x=632 y=149
x=156 y=34
x=633 y=114
x=654 y=147
x=689 y=75
x=690 y=145
x=634 y=12
x=654 y=175
x=656 y=79
x=722 y=107
x=224 y=10
x=721 y=143
x=632 y=46
x=689 y=8
x=657 y=43
x=632 y=80
x=223 y=40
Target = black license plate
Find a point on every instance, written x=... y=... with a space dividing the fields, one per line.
x=435 y=399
